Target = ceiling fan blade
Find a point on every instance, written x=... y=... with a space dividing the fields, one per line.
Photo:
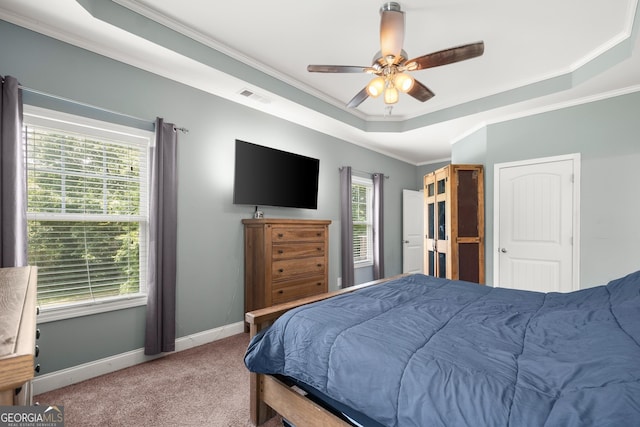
x=446 y=56
x=420 y=92
x=337 y=69
x=391 y=31
x=358 y=99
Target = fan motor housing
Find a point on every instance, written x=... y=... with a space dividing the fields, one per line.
x=390 y=6
x=378 y=59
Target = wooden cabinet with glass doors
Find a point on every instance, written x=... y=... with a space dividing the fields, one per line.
x=454 y=223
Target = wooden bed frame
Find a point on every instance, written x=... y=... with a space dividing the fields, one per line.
x=269 y=395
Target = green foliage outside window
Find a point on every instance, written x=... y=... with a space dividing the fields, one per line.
x=81 y=260
x=360 y=199
x=85 y=215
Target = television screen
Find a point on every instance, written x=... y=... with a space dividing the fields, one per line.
x=268 y=177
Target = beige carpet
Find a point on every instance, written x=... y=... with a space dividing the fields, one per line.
x=202 y=386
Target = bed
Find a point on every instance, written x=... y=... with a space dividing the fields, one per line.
x=417 y=350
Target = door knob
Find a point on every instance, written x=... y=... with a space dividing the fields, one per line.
x=503 y=250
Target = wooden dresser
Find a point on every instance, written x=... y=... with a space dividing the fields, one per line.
x=17 y=334
x=284 y=259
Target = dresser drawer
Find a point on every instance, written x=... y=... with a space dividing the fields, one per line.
x=297 y=250
x=288 y=268
x=300 y=290
x=301 y=234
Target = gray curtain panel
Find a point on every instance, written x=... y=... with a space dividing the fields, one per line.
x=13 y=182
x=161 y=302
x=346 y=227
x=378 y=226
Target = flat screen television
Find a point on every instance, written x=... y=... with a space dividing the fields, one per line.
x=268 y=177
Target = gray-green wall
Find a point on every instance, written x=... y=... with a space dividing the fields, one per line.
x=210 y=235
x=606 y=133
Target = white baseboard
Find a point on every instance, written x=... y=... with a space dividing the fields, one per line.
x=76 y=374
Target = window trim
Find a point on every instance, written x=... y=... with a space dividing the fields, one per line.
x=367 y=182
x=38 y=116
x=54 y=313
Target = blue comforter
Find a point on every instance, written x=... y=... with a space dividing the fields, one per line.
x=421 y=351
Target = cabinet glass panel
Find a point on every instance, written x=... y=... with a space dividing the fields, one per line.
x=441 y=187
x=431 y=220
x=431 y=263
x=468 y=203
x=442 y=265
x=442 y=224
x=469 y=262
x=430 y=188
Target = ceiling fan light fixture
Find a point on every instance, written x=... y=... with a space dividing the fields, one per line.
x=376 y=87
x=391 y=95
x=391 y=31
x=404 y=82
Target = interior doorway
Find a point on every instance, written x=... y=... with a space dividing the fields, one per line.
x=412 y=231
x=536 y=224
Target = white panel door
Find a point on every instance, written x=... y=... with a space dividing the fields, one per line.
x=537 y=225
x=412 y=231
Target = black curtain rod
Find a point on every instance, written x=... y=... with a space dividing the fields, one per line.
x=93 y=107
x=365 y=172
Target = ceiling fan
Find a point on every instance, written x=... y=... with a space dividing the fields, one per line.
x=390 y=64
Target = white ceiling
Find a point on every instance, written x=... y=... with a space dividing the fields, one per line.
x=538 y=56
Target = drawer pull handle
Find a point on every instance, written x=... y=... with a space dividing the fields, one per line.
x=280 y=235
x=37 y=351
x=319 y=265
x=38 y=333
x=318 y=284
x=281 y=292
x=281 y=270
x=280 y=251
x=37 y=368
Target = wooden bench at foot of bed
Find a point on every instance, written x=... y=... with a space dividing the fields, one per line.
x=269 y=395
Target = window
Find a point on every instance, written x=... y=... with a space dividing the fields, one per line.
x=361 y=196
x=87 y=212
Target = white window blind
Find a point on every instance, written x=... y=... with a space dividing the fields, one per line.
x=361 y=191
x=87 y=211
